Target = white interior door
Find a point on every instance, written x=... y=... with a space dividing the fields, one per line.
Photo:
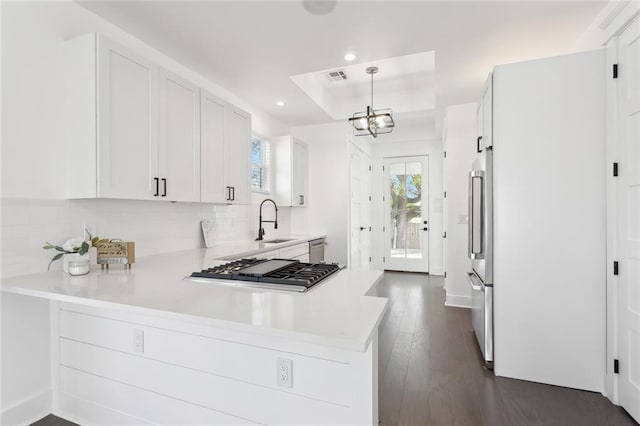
x=406 y=230
x=629 y=220
x=360 y=234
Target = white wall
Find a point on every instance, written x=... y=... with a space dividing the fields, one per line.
x=328 y=209
x=33 y=176
x=433 y=149
x=459 y=144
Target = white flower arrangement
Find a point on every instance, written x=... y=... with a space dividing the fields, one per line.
x=73 y=245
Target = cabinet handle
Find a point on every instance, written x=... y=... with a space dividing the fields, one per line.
x=478 y=144
x=233 y=193
x=164 y=192
x=157 y=186
x=228 y=193
x=301 y=199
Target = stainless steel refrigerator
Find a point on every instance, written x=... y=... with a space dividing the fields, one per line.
x=480 y=240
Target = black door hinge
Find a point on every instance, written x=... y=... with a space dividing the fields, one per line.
x=615 y=70
x=615 y=169
x=615 y=267
x=444 y=235
x=616 y=366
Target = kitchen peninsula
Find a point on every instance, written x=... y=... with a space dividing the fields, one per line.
x=146 y=345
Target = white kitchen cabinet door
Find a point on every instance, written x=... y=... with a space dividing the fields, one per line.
x=127 y=123
x=236 y=155
x=300 y=178
x=213 y=131
x=291 y=166
x=179 y=139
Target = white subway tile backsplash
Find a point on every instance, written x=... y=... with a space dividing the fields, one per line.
x=156 y=227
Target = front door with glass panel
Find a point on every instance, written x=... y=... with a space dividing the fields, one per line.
x=406 y=214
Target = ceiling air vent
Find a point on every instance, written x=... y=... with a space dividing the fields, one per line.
x=337 y=75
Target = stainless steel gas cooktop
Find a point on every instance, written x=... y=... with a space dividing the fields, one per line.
x=280 y=274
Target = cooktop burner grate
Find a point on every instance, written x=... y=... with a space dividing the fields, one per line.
x=281 y=272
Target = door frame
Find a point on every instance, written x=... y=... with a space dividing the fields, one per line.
x=611 y=379
x=406 y=266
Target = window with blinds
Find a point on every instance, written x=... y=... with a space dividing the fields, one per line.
x=260 y=164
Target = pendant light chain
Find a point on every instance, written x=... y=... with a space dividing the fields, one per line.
x=371 y=91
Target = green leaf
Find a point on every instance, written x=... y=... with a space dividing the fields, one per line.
x=48 y=246
x=56 y=257
x=84 y=248
x=94 y=241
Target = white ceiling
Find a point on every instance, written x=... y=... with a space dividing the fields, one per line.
x=405 y=82
x=252 y=48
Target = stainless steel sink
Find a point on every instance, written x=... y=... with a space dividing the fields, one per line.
x=277 y=240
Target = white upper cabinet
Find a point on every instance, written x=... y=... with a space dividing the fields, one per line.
x=226 y=134
x=213 y=132
x=291 y=161
x=236 y=155
x=136 y=131
x=179 y=139
x=127 y=122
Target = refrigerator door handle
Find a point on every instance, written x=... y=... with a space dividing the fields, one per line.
x=471 y=277
x=476 y=215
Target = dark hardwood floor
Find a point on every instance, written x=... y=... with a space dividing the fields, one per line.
x=430 y=371
x=52 y=420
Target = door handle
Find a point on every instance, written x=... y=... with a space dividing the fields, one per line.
x=164 y=192
x=425 y=229
x=478 y=144
x=157 y=186
x=472 y=281
x=362 y=228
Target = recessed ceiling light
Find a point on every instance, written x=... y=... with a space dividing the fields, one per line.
x=280 y=103
x=349 y=57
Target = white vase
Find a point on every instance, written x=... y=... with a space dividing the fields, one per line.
x=70 y=258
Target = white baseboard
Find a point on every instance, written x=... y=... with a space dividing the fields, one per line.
x=28 y=410
x=82 y=412
x=458 y=301
x=437 y=271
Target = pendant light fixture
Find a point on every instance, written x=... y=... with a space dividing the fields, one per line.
x=372 y=122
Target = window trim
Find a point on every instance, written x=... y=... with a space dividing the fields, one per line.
x=263 y=164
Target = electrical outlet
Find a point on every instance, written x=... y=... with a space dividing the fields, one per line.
x=284 y=372
x=138 y=340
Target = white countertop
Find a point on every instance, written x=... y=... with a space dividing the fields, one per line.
x=248 y=248
x=334 y=313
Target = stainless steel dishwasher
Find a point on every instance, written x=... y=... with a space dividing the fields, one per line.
x=316 y=250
